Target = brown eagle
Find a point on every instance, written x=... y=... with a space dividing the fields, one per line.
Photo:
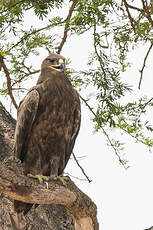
x=48 y=123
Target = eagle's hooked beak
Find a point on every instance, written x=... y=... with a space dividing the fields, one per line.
x=60 y=66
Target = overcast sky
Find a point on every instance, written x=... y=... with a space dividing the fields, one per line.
x=124 y=198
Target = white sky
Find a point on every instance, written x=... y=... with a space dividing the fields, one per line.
x=124 y=198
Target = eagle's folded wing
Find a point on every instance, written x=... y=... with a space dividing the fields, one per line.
x=75 y=129
x=26 y=116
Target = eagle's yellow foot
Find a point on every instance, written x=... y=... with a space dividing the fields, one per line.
x=63 y=179
x=53 y=177
x=40 y=177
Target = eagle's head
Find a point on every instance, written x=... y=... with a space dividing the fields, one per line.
x=55 y=62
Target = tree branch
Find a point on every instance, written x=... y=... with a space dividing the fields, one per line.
x=29 y=34
x=7 y=74
x=78 y=178
x=51 y=25
x=132 y=21
x=99 y=57
x=132 y=7
x=144 y=64
x=146 y=10
x=13 y=5
x=25 y=76
x=81 y=168
x=14 y=184
x=67 y=20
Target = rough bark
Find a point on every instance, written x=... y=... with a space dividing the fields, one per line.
x=62 y=206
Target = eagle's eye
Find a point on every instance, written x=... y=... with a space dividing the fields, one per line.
x=51 y=60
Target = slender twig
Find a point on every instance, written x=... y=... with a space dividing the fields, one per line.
x=20 y=89
x=7 y=74
x=31 y=33
x=144 y=64
x=32 y=72
x=133 y=136
x=81 y=168
x=145 y=104
x=132 y=21
x=68 y=174
x=132 y=7
x=146 y=10
x=105 y=133
x=25 y=76
x=89 y=107
x=13 y=5
x=67 y=20
x=99 y=57
x=29 y=70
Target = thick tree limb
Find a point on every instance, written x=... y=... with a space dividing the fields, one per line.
x=14 y=184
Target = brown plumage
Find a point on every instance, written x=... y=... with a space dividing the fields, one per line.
x=48 y=123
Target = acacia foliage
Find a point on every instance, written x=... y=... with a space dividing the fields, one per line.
x=116 y=27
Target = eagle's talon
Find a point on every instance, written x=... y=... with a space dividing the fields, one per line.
x=40 y=177
x=53 y=177
x=62 y=179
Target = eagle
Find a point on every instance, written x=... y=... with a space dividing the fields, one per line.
x=48 y=123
